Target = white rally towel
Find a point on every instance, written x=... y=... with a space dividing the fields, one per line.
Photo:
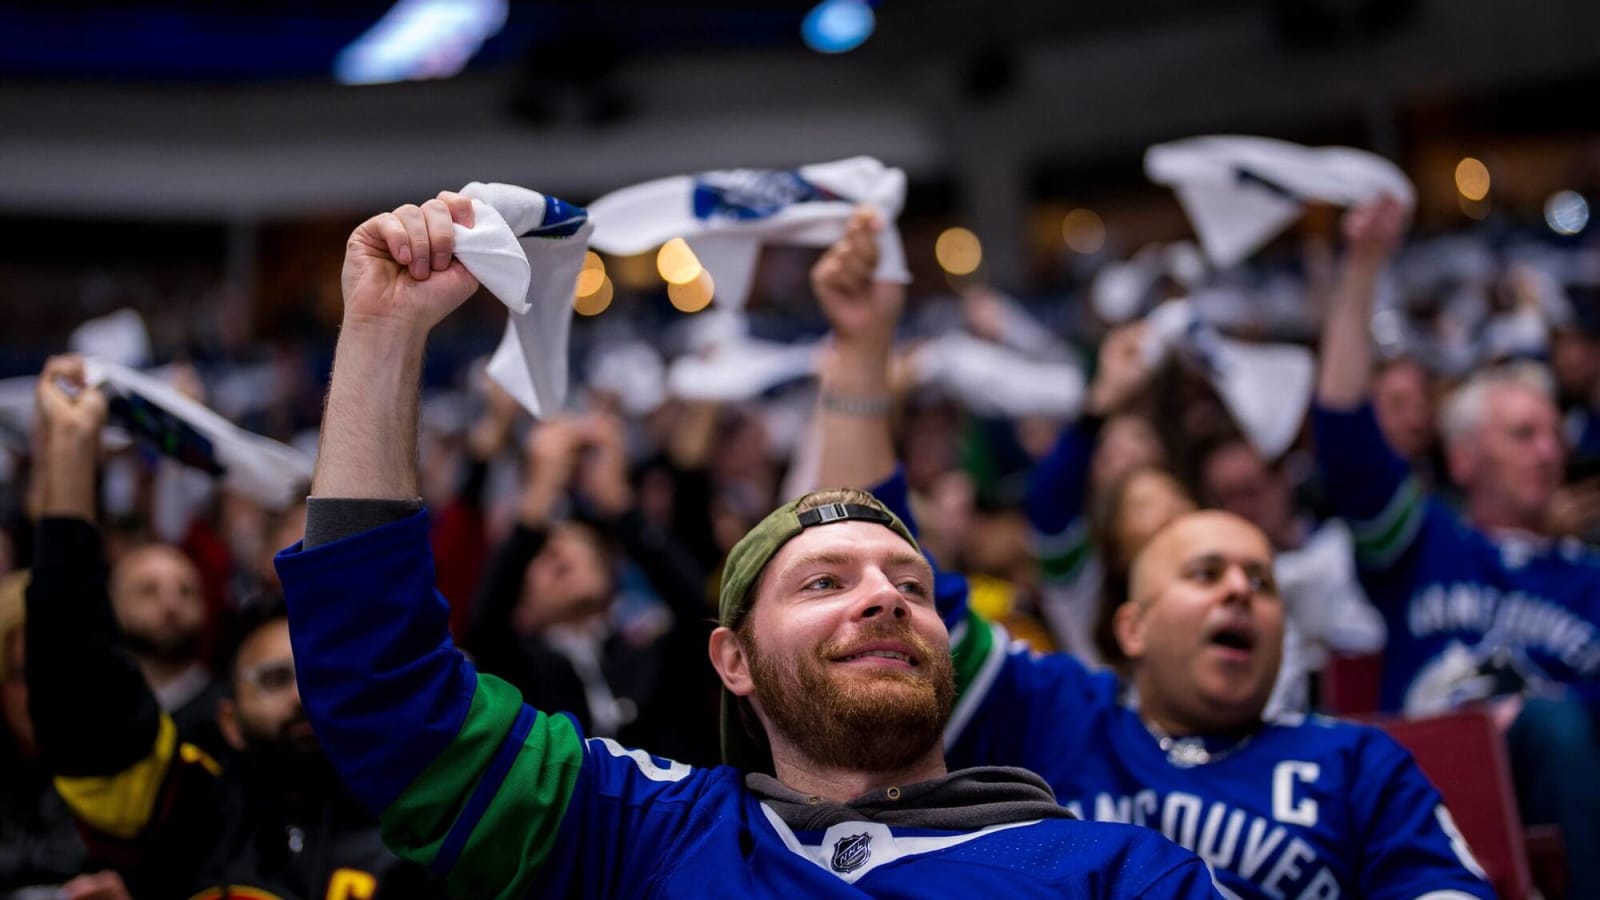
x=1266 y=387
x=527 y=249
x=1123 y=291
x=118 y=336
x=727 y=365
x=994 y=380
x=726 y=216
x=1240 y=192
x=272 y=474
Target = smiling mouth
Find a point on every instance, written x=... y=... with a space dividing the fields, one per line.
x=879 y=654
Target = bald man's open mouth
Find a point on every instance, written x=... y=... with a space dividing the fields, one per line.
x=1232 y=639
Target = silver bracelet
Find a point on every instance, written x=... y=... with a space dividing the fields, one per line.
x=876 y=405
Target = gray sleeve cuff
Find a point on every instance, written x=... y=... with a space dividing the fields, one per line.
x=329 y=519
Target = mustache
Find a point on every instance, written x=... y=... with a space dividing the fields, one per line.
x=285 y=730
x=885 y=632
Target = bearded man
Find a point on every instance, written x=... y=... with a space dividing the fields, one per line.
x=830 y=650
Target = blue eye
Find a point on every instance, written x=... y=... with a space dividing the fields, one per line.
x=822 y=583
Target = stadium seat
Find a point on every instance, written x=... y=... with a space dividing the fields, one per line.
x=1464 y=755
x=1350 y=684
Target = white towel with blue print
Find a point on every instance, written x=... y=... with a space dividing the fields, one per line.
x=726 y=216
x=527 y=250
x=1241 y=192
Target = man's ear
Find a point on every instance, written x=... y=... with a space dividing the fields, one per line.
x=728 y=657
x=1128 y=623
x=228 y=723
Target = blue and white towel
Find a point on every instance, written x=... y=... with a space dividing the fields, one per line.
x=1240 y=192
x=518 y=234
x=726 y=216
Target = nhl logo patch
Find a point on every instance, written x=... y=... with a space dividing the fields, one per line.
x=851 y=852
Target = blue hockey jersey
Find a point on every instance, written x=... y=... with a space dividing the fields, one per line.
x=507 y=801
x=1468 y=616
x=1305 y=807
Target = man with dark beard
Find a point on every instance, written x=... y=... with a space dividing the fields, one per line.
x=155 y=594
x=154 y=807
x=830 y=650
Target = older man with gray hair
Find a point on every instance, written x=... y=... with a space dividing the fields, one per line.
x=1487 y=608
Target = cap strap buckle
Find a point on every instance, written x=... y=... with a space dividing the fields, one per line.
x=837 y=512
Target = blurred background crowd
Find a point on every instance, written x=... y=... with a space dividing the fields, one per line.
x=191 y=172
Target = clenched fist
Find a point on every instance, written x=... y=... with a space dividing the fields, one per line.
x=400 y=269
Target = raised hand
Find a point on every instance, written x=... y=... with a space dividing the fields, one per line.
x=552 y=456
x=1123 y=370
x=70 y=416
x=1374 y=230
x=858 y=307
x=493 y=426
x=400 y=269
x=603 y=472
x=69 y=410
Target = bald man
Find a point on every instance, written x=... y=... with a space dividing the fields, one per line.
x=1296 y=807
x=1204 y=630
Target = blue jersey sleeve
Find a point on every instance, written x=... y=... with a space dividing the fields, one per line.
x=1369 y=486
x=1013 y=702
x=465 y=778
x=1057 y=488
x=630 y=812
x=1410 y=844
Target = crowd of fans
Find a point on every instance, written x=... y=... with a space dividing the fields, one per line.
x=1436 y=510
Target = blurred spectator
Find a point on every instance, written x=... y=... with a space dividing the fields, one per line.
x=1325 y=608
x=156 y=597
x=163 y=812
x=38 y=844
x=1402 y=398
x=1122 y=519
x=1488 y=609
x=547 y=617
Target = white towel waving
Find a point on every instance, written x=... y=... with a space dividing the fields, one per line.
x=1266 y=387
x=1240 y=192
x=527 y=250
x=273 y=474
x=726 y=216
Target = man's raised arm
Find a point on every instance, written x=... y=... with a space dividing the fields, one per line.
x=854 y=406
x=1371 y=234
x=413 y=730
x=400 y=278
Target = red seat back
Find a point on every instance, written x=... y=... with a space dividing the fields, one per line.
x=1350 y=684
x=1464 y=755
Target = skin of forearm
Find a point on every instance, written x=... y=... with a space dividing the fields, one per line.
x=67 y=479
x=857 y=449
x=1346 y=363
x=368 y=448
